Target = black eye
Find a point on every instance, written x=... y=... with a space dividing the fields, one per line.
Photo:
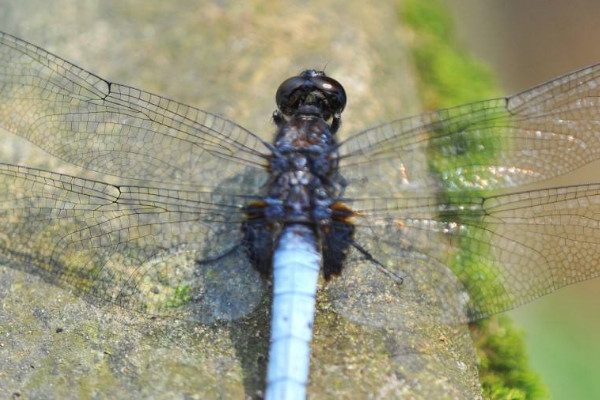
x=314 y=88
x=288 y=93
x=334 y=92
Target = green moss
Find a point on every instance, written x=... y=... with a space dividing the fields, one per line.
x=448 y=76
x=504 y=371
x=181 y=295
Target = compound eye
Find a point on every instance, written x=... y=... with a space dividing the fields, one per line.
x=334 y=92
x=311 y=87
x=285 y=98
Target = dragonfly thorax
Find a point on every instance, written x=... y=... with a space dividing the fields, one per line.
x=304 y=180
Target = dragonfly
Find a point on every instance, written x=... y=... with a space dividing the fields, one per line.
x=197 y=212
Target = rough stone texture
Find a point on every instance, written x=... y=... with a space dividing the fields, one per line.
x=225 y=57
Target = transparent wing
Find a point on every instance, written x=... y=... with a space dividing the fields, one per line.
x=469 y=258
x=162 y=250
x=531 y=136
x=115 y=129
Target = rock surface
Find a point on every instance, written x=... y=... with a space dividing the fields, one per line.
x=225 y=57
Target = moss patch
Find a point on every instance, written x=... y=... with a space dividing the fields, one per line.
x=503 y=364
x=447 y=74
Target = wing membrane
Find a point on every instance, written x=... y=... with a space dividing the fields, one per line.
x=540 y=133
x=479 y=256
x=138 y=247
x=116 y=129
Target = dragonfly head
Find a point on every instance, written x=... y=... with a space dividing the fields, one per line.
x=311 y=92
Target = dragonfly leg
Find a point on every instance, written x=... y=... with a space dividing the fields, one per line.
x=398 y=278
